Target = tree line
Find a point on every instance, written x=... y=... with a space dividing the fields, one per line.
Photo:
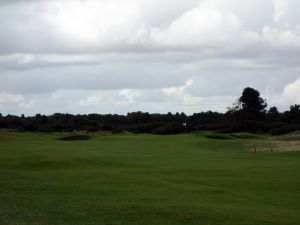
x=248 y=114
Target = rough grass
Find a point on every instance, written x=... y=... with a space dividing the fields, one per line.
x=145 y=180
x=284 y=143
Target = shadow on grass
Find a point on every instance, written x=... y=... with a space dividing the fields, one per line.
x=75 y=138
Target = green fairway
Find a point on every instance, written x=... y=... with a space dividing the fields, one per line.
x=125 y=179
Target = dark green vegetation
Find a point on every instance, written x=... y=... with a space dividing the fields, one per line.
x=248 y=114
x=78 y=137
x=146 y=180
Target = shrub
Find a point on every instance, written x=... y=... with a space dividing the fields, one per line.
x=172 y=128
x=75 y=138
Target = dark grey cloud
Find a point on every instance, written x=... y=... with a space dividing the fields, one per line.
x=105 y=76
x=10 y=2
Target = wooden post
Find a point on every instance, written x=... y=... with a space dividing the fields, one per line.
x=271 y=145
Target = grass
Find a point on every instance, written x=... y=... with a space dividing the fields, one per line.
x=125 y=179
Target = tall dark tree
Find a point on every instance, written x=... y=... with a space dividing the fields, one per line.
x=251 y=102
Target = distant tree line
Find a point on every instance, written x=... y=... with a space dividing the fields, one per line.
x=248 y=114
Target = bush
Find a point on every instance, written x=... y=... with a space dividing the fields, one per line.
x=45 y=128
x=172 y=128
x=107 y=128
x=145 y=128
x=29 y=127
x=285 y=129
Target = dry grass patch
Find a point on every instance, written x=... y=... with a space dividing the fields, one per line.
x=274 y=146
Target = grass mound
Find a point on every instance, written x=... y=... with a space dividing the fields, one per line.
x=75 y=138
x=294 y=136
x=244 y=136
x=218 y=136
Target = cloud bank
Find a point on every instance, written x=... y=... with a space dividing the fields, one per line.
x=115 y=56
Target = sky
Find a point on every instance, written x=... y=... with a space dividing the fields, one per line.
x=119 y=56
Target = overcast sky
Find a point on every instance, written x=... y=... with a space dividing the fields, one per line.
x=116 y=56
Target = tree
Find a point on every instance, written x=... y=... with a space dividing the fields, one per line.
x=294 y=114
x=295 y=109
x=273 y=110
x=251 y=102
x=273 y=114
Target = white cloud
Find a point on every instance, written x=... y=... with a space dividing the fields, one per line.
x=204 y=26
x=291 y=93
x=93 y=22
x=280 y=7
x=133 y=26
x=28 y=104
x=116 y=97
x=9 y=98
x=130 y=95
x=89 y=101
x=14 y=101
x=286 y=12
x=281 y=39
x=177 y=91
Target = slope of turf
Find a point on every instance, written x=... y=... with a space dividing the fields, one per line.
x=145 y=180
